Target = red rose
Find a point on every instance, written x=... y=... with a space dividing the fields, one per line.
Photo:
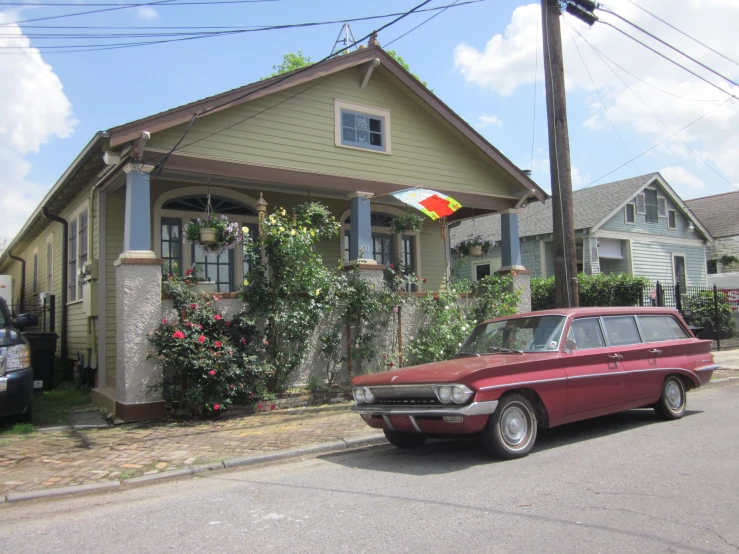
x=392 y=266
x=212 y=372
x=193 y=306
x=216 y=298
x=201 y=339
x=424 y=279
x=228 y=324
x=188 y=323
x=436 y=297
x=218 y=344
x=216 y=406
x=390 y=364
x=217 y=317
x=188 y=272
x=243 y=341
x=201 y=327
x=259 y=406
x=178 y=335
x=273 y=407
x=164 y=321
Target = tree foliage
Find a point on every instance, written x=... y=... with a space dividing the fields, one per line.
x=290 y=62
x=603 y=289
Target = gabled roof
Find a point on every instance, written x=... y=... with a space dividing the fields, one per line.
x=593 y=206
x=371 y=55
x=719 y=213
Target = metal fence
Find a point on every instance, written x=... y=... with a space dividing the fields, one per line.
x=45 y=312
x=712 y=310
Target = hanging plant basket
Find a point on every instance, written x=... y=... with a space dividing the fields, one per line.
x=475 y=250
x=407 y=222
x=207 y=235
x=473 y=246
x=213 y=233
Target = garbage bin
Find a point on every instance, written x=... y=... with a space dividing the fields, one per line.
x=43 y=350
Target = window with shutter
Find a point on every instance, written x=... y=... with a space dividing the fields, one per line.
x=662 y=206
x=641 y=205
x=630 y=213
x=671 y=219
x=652 y=212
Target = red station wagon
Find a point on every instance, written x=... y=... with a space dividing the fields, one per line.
x=541 y=369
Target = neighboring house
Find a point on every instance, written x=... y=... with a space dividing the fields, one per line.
x=638 y=226
x=339 y=132
x=720 y=215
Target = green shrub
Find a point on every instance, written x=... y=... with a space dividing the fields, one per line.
x=603 y=289
x=701 y=310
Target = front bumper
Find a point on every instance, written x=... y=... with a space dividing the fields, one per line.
x=476 y=408
x=16 y=392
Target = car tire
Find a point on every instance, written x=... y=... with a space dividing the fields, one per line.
x=402 y=439
x=674 y=399
x=27 y=416
x=511 y=429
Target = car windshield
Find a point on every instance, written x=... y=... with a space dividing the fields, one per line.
x=525 y=334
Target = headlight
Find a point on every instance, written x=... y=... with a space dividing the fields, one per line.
x=359 y=395
x=460 y=394
x=444 y=394
x=18 y=357
x=369 y=398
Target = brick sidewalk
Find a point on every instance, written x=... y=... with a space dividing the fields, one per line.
x=76 y=457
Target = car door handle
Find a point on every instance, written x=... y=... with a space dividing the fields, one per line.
x=616 y=356
x=655 y=351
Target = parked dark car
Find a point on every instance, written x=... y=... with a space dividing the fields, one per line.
x=16 y=374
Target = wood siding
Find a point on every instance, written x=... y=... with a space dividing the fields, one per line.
x=114 y=216
x=654 y=261
x=300 y=134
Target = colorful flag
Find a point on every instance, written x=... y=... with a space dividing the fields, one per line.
x=433 y=204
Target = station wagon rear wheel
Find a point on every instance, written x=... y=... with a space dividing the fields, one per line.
x=511 y=429
x=672 y=403
x=402 y=439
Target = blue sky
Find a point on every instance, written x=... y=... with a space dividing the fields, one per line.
x=478 y=58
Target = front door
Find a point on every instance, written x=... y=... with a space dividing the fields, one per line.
x=678 y=264
x=594 y=375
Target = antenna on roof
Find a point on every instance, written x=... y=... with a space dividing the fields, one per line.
x=345 y=38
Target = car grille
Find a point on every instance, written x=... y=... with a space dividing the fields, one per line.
x=405 y=395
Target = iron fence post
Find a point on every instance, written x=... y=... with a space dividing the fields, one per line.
x=660 y=298
x=678 y=300
x=52 y=313
x=715 y=315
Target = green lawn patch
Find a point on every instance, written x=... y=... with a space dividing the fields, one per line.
x=53 y=407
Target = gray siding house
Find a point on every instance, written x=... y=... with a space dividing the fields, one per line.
x=638 y=226
x=720 y=215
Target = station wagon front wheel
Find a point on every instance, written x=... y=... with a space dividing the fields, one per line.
x=673 y=401
x=511 y=429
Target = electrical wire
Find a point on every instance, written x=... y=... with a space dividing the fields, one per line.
x=660 y=54
x=658 y=144
x=650 y=109
x=704 y=66
x=124 y=7
x=605 y=109
x=127 y=5
x=422 y=23
x=160 y=165
x=683 y=33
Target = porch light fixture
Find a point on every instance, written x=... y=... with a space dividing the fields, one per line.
x=261 y=208
x=691 y=227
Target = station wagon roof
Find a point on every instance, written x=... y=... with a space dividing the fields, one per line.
x=597 y=311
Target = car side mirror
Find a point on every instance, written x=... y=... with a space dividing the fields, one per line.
x=570 y=345
x=25 y=320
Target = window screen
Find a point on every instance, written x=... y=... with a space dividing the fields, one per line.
x=362 y=130
x=621 y=330
x=661 y=327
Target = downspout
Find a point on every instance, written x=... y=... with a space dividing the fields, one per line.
x=65 y=268
x=22 y=307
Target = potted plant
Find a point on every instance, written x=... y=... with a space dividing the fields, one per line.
x=213 y=233
x=406 y=222
x=473 y=246
x=197 y=282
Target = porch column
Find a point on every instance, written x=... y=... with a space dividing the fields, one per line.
x=360 y=237
x=510 y=246
x=138 y=276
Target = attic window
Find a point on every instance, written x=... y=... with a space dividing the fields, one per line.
x=362 y=127
x=630 y=213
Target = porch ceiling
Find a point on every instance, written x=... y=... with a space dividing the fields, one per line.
x=473 y=204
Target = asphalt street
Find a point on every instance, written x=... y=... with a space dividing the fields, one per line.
x=623 y=483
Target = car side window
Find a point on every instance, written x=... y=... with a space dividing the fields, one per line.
x=621 y=330
x=661 y=327
x=587 y=333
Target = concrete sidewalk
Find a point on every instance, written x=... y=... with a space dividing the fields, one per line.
x=70 y=456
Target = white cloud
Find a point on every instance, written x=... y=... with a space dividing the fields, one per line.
x=486 y=120
x=680 y=178
x=33 y=110
x=507 y=62
x=146 y=12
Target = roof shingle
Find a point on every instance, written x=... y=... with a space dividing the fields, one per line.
x=718 y=213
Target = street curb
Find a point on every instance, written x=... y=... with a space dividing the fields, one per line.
x=77 y=489
x=722 y=380
x=328 y=447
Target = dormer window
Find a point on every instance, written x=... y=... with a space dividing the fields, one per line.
x=362 y=127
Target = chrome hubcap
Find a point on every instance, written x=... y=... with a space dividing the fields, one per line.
x=514 y=426
x=674 y=395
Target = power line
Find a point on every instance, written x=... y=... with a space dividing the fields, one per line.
x=660 y=54
x=650 y=109
x=127 y=5
x=605 y=109
x=422 y=23
x=658 y=144
x=124 y=7
x=57 y=49
x=163 y=160
x=674 y=135
x=683 y=33
x=704 y=66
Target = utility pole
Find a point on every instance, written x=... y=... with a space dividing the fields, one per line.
x=565 y=254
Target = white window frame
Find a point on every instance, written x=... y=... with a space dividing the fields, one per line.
x=475 y=265
x=367 y=110
x=34 y=271
x=662 y=200
x=668 y=219
x=49 y=264
x=682 y=255
x=76 y=215
x=626 y=219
